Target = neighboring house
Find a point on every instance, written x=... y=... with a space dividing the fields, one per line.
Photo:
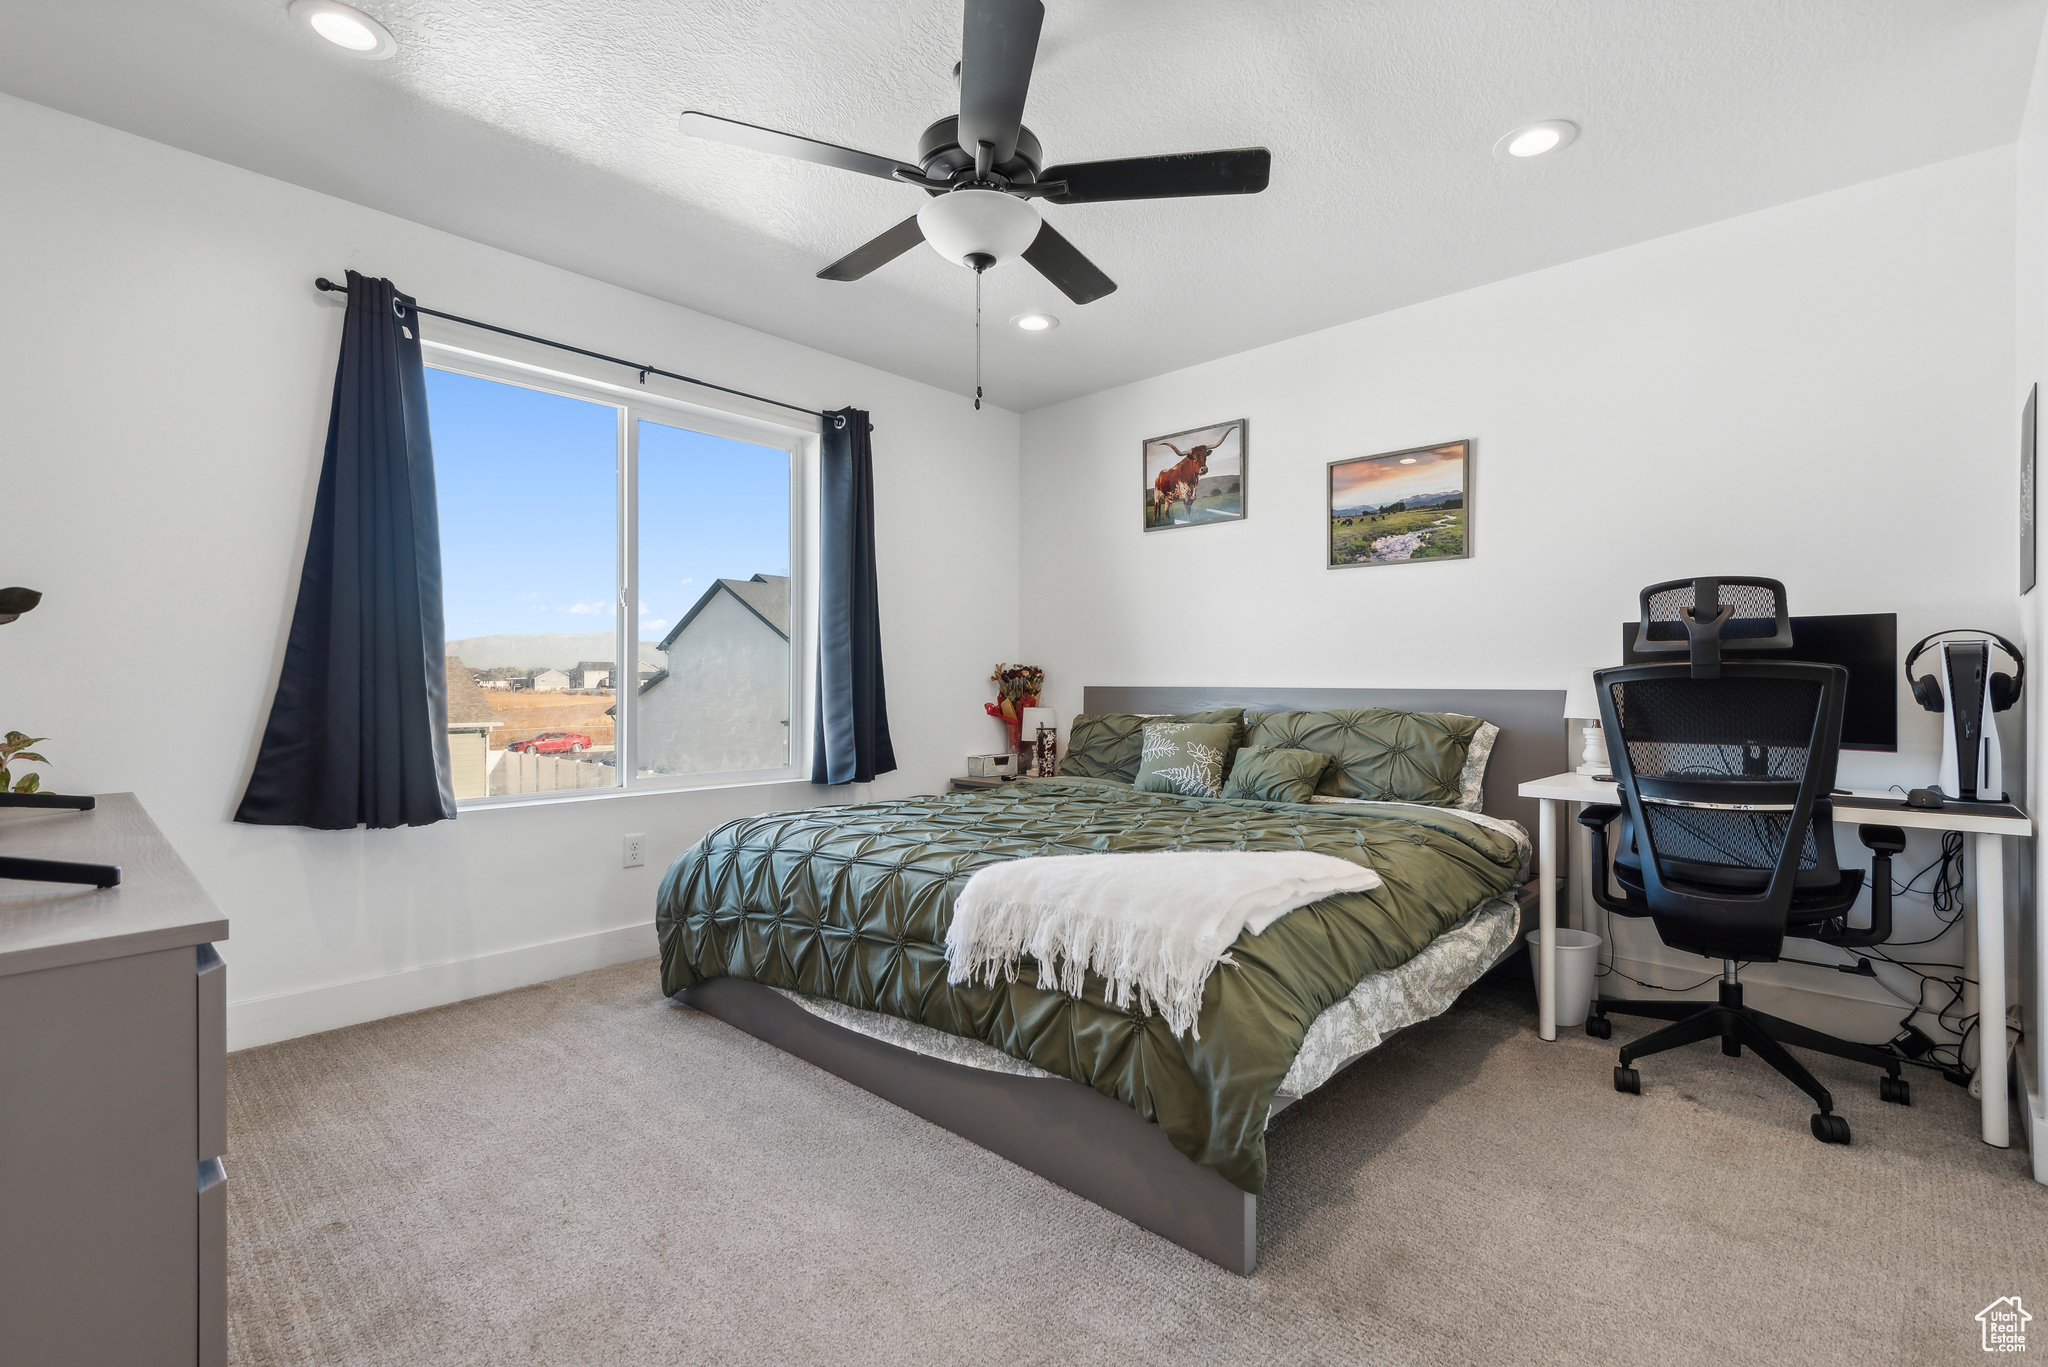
x=591 y=674
x=722 y=705
x=551 y=681
x=471 y=719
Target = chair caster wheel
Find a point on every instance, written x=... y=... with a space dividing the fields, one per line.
x=1628 y=1080
x=1599 y=1027
x=1829 y=1128
x=1896 y=1090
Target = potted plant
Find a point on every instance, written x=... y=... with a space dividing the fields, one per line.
x=1017 y=687
x=16 y=747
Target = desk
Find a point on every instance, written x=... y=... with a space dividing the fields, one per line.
x=1989 y=823
x=113 y=1100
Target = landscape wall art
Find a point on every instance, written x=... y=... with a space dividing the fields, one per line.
x=1195 y=477
x=1402 y=506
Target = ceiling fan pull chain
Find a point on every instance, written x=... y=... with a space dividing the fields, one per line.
x=977 y=341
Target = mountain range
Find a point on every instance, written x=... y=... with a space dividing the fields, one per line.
x=1414 y=501
x=550 y=650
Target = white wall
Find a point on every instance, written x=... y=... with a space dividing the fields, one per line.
x=1818 y=393
x=2029 y=962
x=164 y=371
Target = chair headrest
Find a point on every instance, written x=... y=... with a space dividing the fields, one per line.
x=1703 y=618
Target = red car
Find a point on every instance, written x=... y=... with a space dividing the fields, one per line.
x=553 y=743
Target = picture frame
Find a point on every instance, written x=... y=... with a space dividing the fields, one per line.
x=1400 y=507
x=1197 y=477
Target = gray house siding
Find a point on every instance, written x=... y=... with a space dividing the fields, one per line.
x=723 y=704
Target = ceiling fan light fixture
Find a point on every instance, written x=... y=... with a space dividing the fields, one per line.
x=978 y=223
x=1533 y=140
x=1036 y=322
x=345 y=26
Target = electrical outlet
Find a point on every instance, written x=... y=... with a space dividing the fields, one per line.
x=636 y=851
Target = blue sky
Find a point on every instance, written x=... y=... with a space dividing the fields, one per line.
x=527 y=483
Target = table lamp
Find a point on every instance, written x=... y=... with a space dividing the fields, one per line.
x=1041 y=730
x=1582 y=702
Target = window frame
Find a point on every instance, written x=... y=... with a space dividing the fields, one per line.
x=738 y=420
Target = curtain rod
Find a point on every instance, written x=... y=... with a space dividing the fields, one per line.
x=838 y=419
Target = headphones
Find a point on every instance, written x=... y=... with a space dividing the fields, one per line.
x=2005 y=688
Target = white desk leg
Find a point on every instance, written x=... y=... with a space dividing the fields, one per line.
x=1546 y=919
x=1990 y=909
x=2038 y=996
x=1578 y=844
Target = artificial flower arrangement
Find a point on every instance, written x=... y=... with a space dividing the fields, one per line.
x=1017 y=687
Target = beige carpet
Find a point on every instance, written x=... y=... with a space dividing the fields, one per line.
x=582 y=1173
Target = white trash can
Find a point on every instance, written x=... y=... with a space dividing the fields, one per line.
x=1578 y=954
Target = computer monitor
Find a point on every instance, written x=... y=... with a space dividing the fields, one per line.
x=1864 y=643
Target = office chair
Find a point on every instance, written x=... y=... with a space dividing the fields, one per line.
x=1726 y=838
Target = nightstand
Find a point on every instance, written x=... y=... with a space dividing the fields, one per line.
x=975 y=785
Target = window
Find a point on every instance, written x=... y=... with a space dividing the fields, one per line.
x=617 y=582
x=713 y=550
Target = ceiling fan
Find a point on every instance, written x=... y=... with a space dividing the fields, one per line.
x=983 y=169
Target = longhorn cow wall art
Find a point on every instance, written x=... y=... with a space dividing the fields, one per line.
x=1195 y=477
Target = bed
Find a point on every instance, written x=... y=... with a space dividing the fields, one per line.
x=821 y=931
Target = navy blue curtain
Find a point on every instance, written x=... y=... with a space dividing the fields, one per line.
x=852 y=732
x=358 y=731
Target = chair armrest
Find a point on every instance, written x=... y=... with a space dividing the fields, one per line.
x=1598 y=819
x=1883 y=842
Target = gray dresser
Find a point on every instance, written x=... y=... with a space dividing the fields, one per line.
x=113 y=1101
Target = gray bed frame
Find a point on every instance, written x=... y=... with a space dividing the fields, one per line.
x=1072 y=1135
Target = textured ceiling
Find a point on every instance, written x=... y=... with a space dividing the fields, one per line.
x=548 y=127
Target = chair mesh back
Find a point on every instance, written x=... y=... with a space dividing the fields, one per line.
x=1753 y=611
x=1714 y=732
x=1677 y=727
x=1725 y=840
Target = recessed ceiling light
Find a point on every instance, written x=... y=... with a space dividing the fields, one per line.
x=345 y=26
x=1533 y=140
x=1407 y=460
x=1036 y=322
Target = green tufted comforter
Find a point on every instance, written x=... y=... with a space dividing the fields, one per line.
x=853 y=903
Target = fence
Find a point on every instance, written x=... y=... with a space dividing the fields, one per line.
x=513 y=772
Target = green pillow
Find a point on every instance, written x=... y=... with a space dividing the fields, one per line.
x=1184 y=757
x=1109 y=744
x=1276 y=775
x=1377 y=753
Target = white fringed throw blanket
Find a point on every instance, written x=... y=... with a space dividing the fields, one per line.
x=1153 y=925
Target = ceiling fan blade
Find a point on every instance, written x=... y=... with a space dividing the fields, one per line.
x=997 y=47
x=760 y=139
x=1061 y=262
x=1239 y=171
x=880 y=252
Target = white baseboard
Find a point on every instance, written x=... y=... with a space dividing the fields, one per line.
x=1849 y=987
x=2034 y=1122
x=1843 y=1004
x=266 y=1020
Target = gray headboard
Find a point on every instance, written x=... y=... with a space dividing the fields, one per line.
x=1533 y=741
